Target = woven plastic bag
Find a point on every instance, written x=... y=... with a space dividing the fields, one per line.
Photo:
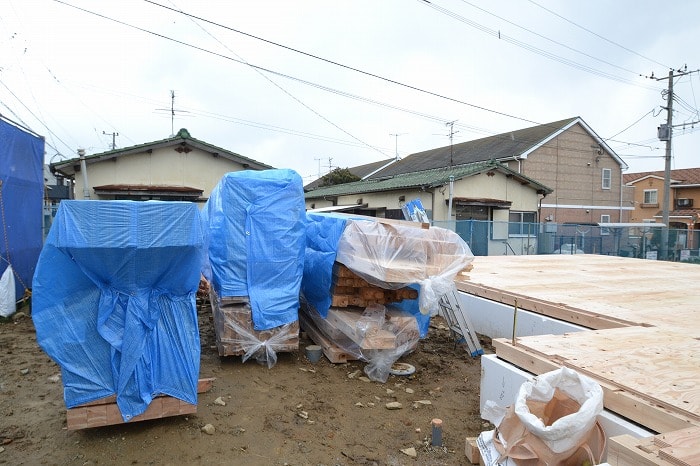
x=553 y=422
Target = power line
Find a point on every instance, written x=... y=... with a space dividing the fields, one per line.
x=295 y=98
x=596 y=34
x=297 y=51
x=531 y=48
x=551 y=40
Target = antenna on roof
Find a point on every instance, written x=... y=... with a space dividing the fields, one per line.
x=172 y=111
x=396 y=143
x=451 y=124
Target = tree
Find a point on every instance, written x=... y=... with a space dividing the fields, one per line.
x=338 y=176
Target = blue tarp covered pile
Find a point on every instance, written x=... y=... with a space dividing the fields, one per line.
x=255 y=222
x=114 y=301
x=21 y=194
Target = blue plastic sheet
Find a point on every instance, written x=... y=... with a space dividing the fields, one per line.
x=22 y=191
x=256 y=225
x=114 y=301
x=324 y=232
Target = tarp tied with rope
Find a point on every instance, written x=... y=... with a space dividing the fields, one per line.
x=21 y=194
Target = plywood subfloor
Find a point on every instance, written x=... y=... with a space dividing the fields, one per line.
x=629 y=291
x=645 y=349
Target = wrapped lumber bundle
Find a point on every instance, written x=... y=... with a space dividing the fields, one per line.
x=255 y=226
x=371 y=287
x=114 y=304
x=236 y=335
x=394 y=256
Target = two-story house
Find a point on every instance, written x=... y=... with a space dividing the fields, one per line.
x=179 y=168
x=684 y=205
x=574 y=176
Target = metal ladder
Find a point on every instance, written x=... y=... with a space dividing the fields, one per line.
x=458 y=322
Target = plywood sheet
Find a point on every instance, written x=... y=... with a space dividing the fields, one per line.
x=629 y=291
x=644 y=345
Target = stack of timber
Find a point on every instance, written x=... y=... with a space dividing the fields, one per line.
x=349 y=289
x=358 y=321
x=235 y=332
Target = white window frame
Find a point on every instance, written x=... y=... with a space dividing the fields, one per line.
x=649 y=192
x=607 y=178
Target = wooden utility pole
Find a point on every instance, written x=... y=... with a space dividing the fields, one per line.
x=666 y=134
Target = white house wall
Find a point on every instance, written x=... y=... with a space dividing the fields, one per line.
x=195 y=169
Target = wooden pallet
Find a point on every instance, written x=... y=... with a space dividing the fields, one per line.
x=105 y=412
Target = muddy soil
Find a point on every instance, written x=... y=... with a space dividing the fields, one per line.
x=295 y=413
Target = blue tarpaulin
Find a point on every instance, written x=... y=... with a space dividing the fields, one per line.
x=255 y=222
x=324 y=232
x=21 y=194
x=114 y=301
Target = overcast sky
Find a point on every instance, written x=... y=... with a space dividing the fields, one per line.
x=376 y=77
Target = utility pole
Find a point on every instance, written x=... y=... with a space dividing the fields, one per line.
x=667 y=135
x=114 y=135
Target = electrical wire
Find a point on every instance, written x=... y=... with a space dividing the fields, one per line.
x=531 y=48
x=292 y=96
x=408 y=86
x=598 y=35
x=640 y=119
x=552 y=40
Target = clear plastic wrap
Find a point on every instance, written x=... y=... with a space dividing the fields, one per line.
x=379 y=335
x=236 y=335
x=393 y=256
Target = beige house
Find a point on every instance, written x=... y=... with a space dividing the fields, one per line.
x=553 y=174
x=684 y=205
x=474 y=190
x=177 y=168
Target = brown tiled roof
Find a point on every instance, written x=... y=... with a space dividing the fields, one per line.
x=681 y=176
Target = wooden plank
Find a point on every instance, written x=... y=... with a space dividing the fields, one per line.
x=105 y=412
x=373 y=337
x=334 y=353
x=471 y=450
x=681 y=448
x=624 y=450
x=556 y=310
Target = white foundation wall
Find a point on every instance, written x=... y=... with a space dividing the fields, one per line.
x=500 y=380
x=495 y=320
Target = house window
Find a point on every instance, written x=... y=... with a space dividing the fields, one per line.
x=607 y=178
x=651 y=196
x=521 y=224
x=604 y=219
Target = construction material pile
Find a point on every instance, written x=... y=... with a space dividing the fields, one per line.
x=255 y=223
x=370 y=287
x=114 y=301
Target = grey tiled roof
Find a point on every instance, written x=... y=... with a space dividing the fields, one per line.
x=360 y=171
x=183 y=137
x=424 y=178
x=499 y=147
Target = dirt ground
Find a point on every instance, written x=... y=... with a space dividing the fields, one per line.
x=296 y=413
